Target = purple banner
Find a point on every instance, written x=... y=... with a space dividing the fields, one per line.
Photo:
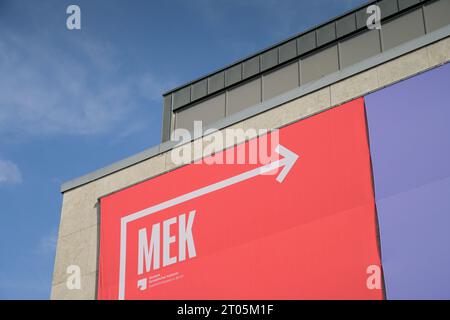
x=409 y=133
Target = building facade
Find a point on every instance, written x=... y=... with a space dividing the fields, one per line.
x=366 y=114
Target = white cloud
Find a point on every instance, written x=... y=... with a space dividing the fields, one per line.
x=47 y=243
x=77 y=87
x=9 y=173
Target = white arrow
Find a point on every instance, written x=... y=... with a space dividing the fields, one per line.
x=287 y=163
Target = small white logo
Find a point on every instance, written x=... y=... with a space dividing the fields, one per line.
x=73 y=21
x=142 y=284
x=374 y=279
x=74 y=279
x=374 y=20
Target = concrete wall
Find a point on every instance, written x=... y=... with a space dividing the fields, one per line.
x=78 y=231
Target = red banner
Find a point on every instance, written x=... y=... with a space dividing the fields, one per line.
x=299 y=227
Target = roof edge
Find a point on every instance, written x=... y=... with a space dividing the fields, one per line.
x=296 y=93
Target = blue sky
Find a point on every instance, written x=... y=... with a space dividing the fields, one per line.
x=72 y=102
